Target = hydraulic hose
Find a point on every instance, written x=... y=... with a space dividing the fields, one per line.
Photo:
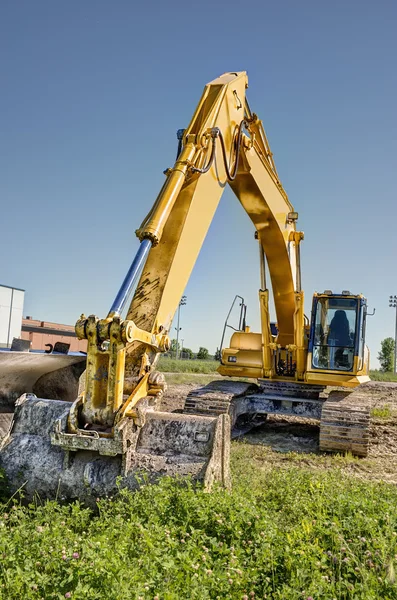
x=216 y=133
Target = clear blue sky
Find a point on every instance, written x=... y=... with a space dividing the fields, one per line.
x=92 y=95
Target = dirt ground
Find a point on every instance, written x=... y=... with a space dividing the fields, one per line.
x=291 y=439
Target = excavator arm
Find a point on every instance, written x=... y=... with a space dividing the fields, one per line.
x=224 y=143
x=183 y=212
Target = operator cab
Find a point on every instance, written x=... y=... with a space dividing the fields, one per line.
x=337 y=333
x=336 y=350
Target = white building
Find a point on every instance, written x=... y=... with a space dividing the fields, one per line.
x=11 y=309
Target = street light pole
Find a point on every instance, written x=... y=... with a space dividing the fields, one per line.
x=181 y=303
x=393 y=304
x=182 y=348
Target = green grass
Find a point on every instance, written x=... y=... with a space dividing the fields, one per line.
x=380 y=376
x=196 y=378
x=285 y=534
x=281 y=533
x=170 y=365
x=381 y=412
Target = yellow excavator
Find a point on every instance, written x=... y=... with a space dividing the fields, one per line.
x=114 y=428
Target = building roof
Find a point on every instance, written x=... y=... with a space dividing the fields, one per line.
x=11 y=287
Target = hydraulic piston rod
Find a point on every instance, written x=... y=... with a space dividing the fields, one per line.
x=130 y=278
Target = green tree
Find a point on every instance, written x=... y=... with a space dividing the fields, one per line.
x=187 y=352
x=218 y=355
x=202 y=353
x=175 y=346
x=386 y=355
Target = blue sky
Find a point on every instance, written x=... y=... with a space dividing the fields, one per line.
x=92 y=95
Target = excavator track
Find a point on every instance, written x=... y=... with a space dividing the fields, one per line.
x=344 y=425
x=216 y=397
x=344 y=418
x=230 y=397
x=248 y=404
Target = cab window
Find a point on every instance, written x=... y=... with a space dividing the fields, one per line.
x=334 y=333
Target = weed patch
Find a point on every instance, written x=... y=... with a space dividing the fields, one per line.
x=381 y=412
x=381 y=376
x=282 y=534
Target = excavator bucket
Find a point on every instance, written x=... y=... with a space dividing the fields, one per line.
x=41 y=457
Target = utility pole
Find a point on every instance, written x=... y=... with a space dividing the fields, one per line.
x=181 y=303
x=393 y=304
x=182 y=348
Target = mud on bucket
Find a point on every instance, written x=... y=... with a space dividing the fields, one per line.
x=40 y=455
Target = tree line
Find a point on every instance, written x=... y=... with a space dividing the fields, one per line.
x=202 y=354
